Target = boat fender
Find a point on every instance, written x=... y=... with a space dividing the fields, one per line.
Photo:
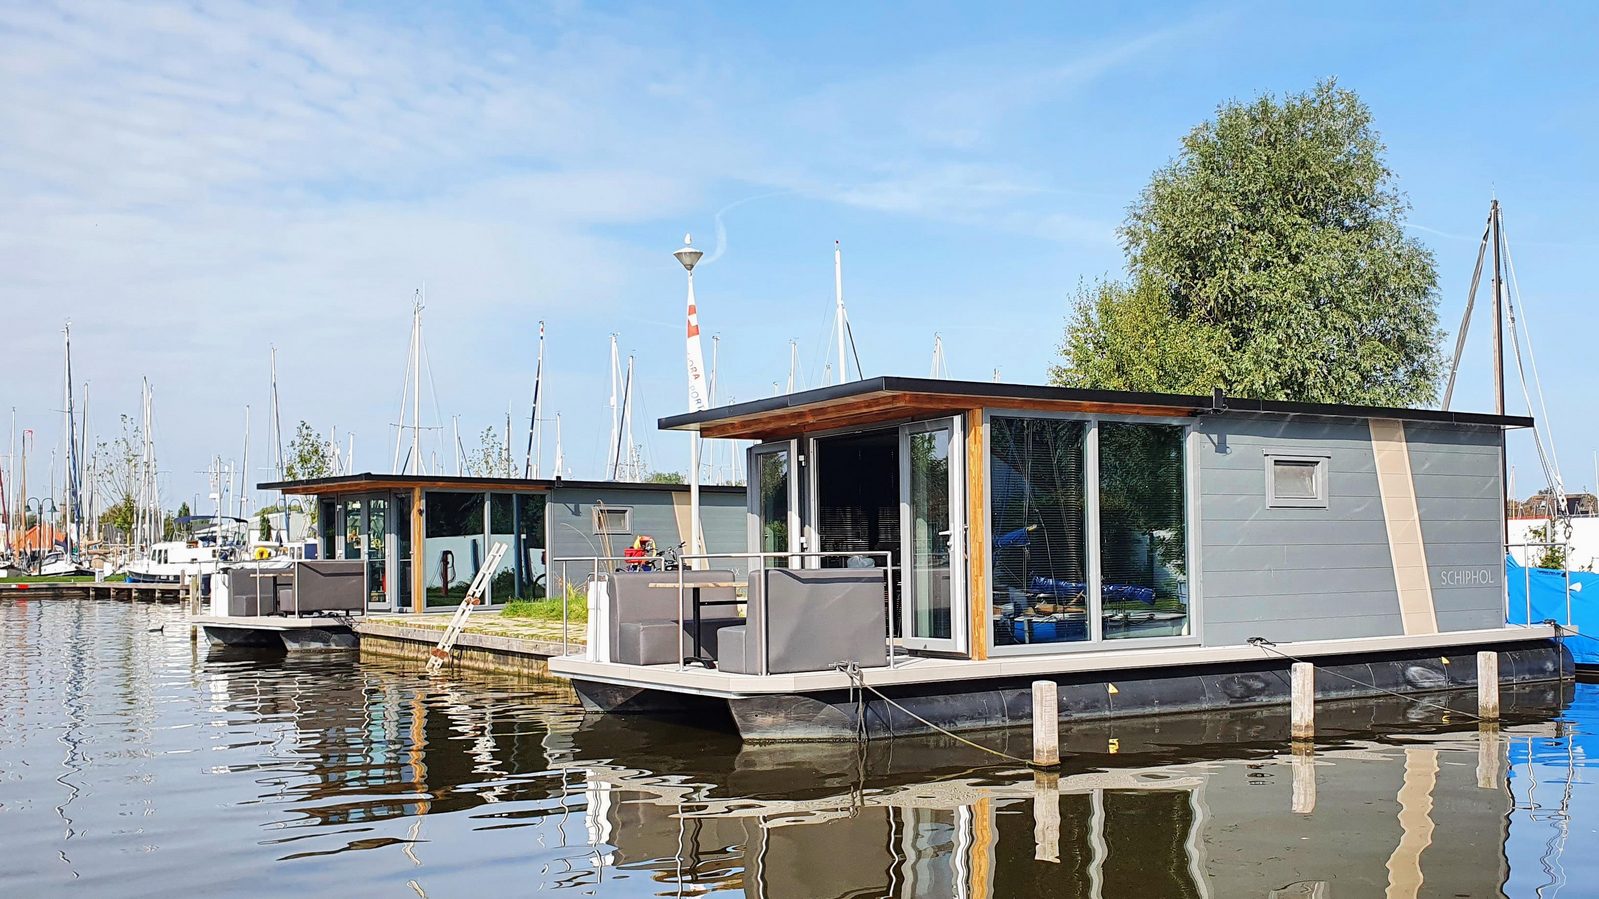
x=262 y=552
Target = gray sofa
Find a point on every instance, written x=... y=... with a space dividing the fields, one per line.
x=813 y=618
x=644 y=628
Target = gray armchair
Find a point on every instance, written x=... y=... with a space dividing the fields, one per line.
x=813 y=618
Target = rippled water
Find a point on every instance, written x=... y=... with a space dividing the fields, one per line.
x=133 y=762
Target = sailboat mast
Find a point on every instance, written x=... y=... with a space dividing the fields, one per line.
x=244 y=482
x=616 y=422
x=793 y=362
x=1499 y=320
x=277 y=433
x=535 y=447
x=838 y=293
x=416 y=385
x=560 y=459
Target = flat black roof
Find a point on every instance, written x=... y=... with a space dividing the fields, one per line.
x=926 y=393
x=352 y=482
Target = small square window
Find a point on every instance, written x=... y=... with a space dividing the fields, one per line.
x=1296 y=482
x=613 y=520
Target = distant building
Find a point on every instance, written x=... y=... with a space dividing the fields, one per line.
x=424 y=534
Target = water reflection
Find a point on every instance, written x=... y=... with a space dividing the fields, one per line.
x=133 y=762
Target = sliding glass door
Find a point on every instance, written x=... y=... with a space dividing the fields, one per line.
x=774 y=501
x=933 y=536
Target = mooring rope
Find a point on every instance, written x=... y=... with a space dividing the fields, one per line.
x=858 y=686
x=1268 y=646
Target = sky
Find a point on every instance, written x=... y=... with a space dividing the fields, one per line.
x=194 y=184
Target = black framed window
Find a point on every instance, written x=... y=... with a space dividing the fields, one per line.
x=1038 y=528
x=1143 y=534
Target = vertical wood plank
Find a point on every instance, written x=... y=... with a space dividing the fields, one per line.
x=419 y=569
x=978 y=599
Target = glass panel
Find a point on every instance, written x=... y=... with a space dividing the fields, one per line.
x=857 y=499
x=1143 y=546
x=930 y=535
x=402 y=550
x=1038 y=523
x=517 y=520
x=328 y=526
x=1294 y=479
x=377 y=565
x=774 y=495
x=453 y=548
x=353 y=526
x=531 y=575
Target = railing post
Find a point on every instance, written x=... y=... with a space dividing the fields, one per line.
x=1046 y=725
x=1302 y=706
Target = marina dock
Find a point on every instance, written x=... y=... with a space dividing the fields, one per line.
x=114 y=590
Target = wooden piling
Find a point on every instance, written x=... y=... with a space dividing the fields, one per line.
x=1303 y=701
x=1046 y=816
x=1303 y=760
x=1046 y=725
x=1488 y=685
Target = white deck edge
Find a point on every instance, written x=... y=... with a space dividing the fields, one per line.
x=928 y=670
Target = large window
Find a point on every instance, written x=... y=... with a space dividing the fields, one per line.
x=1143 y=554
x=454 y=547
x=517 y=520
x=1055 y=481
x=1039 y=529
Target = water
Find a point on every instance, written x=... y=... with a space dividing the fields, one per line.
x=134 y=763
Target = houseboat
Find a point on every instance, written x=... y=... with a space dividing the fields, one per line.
x=382 y=540
x=921 y=550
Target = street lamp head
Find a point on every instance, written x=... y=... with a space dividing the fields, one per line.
x=688 y=255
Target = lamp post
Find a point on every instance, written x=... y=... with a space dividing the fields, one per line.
x=697 y=400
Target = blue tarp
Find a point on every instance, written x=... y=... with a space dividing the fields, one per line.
x=1548 y=588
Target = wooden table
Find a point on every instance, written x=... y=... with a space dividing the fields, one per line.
x=699 y=656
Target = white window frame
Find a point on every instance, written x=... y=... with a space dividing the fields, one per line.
x=598 y=514
x=1273 y=501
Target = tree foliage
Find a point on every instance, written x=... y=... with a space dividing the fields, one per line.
x=1271 y=259
x=491 y=458
x=116 y=470
x=310 y=455
x=1126 y=337
x=664 y=477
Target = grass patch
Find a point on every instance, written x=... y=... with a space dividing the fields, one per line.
x=52 y=579
x=545 y=609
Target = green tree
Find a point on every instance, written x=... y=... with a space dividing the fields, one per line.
x=1126 y=337
x=310 y=455
x=664 y=477
x=117 y=468
x=265 y=531
x=491 y=459
x=1276 y=235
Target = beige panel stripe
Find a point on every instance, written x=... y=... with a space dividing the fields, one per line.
x=681 y=509
x=1415 y=823
x=1399 y=510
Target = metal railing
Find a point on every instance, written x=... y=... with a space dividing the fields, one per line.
x=760 y=566
x=1526 y=570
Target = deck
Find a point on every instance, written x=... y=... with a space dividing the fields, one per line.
x=926 y=670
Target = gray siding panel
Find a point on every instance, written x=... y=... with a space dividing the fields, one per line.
x=571 y=523
x=1458 y=490
x=1292 y=574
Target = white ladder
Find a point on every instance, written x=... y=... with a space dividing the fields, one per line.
x=474 y=597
